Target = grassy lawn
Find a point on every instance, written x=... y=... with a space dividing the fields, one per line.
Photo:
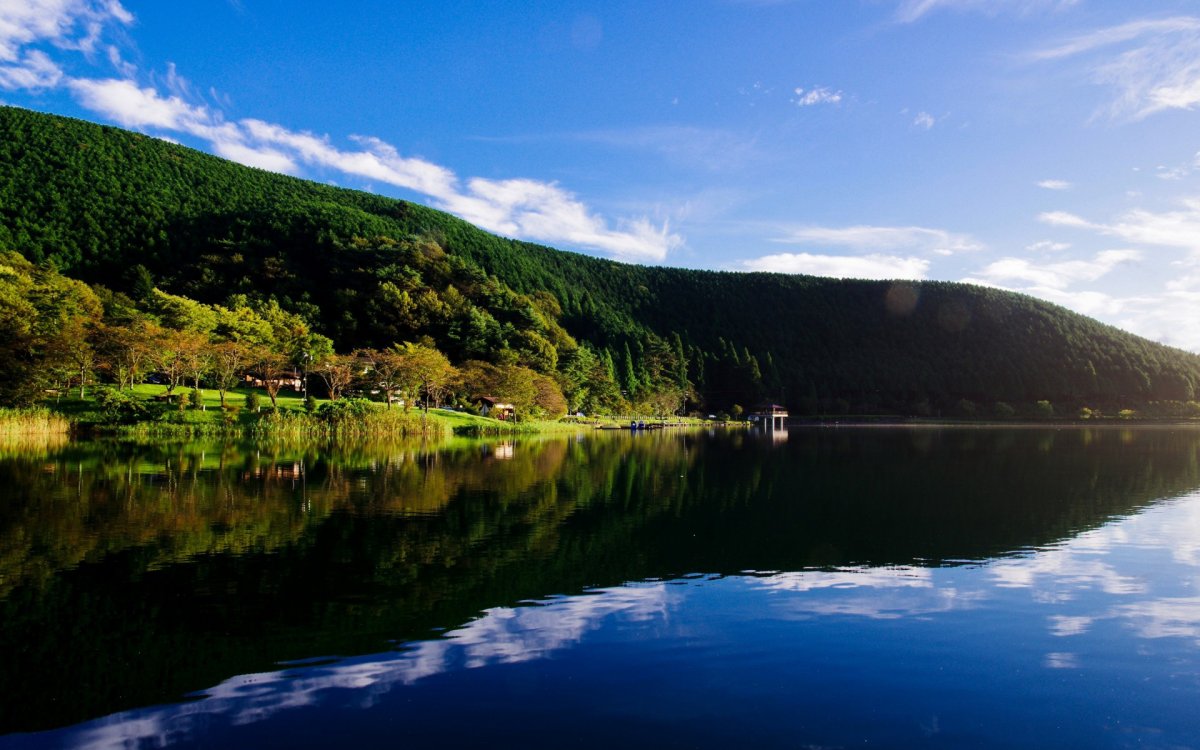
x=86 y=410
x=212 y=418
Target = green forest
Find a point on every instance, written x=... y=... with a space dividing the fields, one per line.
x=108 y=233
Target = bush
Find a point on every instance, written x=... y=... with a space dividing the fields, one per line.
x=253 y=402
x=344 y=408
x=310 y=404
x=196 y=399
x=119 y=407
x=1043 y=409
x=1003 y=410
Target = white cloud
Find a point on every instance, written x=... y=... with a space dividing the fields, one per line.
x=1152 y=65
x=1179 y=228
x=379 y=161
x=262 y=158
x=68 y=24
x=1055 y=184
x=818 y=95
x=1171 y=173
x=1048 y=246
x=924 y=121
x=913 y=10
x=842 y=267
x=866 y=237
x=528 y=209
x=34 y=71
x=135 y=107
x=1058 y=275
x=545 y=212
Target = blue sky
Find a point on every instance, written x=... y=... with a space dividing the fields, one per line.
x=1044 y=146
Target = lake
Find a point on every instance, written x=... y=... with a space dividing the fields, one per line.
x=815 y=588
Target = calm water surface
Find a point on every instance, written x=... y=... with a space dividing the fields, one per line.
x=822 y=588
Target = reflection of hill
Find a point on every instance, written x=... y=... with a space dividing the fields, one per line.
x=136 y=575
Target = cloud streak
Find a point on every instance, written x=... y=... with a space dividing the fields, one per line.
x=1179 y=228
x=1152 y=65
x=1059 y=275
x=874 y=266
x=867 y=237
x=815 y=96
x=914 y=10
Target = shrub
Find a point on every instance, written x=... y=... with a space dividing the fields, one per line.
x=253 y=402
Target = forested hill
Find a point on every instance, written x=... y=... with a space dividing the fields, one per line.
x=122 y=209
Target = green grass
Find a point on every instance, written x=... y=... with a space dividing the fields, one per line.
x=290 y=419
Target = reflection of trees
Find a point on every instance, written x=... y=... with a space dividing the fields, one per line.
x=139 y=573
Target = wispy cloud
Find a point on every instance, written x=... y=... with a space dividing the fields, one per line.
x=913 y=10
x=1048 y=246
x=1054 y=184
x=60 y=24
x=874 y=266
x=1152 y=65
x=866 y=237
x=924 y=121
x=67 y=24
x=1179 y=228
x=1058 y=275
x=814 y=96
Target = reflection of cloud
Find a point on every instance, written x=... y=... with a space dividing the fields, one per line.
x=850 y=578
x=1076 y=566
x=1062 y=661
x=502 y=635
x=1163 y=618
x=1063 y=625
x=1060 y=574
x=874 y=593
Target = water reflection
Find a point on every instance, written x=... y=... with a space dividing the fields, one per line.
x=501 y=635
x=140 y=574
x=700 y=615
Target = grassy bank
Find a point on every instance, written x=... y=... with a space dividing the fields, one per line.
x=146 y=411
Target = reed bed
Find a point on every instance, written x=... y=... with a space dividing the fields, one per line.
x=373 y=423
x=27 y=422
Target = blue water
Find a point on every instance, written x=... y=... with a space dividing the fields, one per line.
x=1084 y=639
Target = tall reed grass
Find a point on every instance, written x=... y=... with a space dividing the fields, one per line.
x=374 y=423
x=14 y=422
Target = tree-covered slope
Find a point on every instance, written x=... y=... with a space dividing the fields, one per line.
x=98 y=201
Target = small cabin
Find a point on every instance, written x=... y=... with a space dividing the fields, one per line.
x=771 y=416
x=490 y=406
